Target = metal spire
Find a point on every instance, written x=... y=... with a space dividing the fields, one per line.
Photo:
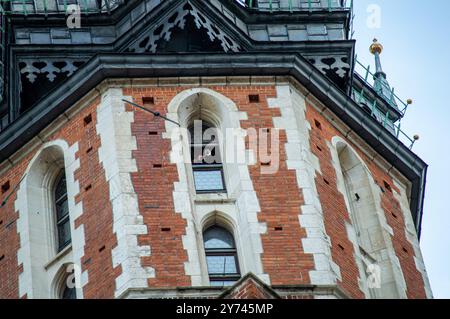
x=381 y=85
x=376 y=48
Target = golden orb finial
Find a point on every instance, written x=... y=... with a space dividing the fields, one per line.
x=409 y=101
x=376 y=47
x=416 y=137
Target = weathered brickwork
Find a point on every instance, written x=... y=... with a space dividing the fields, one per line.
x=278 y=194
x=96 y=217
x=333 y=204
x=403 y=248
x=9 y=238
x=336 y=214
x=280 y=201
x=97 y=212
x=154 y=186
x=249 y=289
x=283 y=258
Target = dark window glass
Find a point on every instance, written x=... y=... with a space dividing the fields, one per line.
x=67 y=2
x=69 y=293
x=206 y=159
x=62 y=213
x=221 y=257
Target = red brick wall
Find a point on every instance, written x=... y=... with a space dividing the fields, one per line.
x=9 y=238
x=154 y=186
x=280 y=201
x=335 y=212
x=97 y=210
x=333 y=205
x=249 y=289
x=283 y=256
x=403 y=248
x=96 y=218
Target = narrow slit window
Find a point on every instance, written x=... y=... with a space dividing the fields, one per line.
x=62 y=214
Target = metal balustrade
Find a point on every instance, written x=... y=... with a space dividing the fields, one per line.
x=297 y=5
x=368 y=77
x=2 y=51
x=360 y=97
x=46 y=7
x=4 y=118
x=49 y=7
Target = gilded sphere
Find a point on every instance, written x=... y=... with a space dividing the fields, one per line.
x=376 y=47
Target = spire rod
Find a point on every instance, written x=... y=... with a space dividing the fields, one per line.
x=376 y=49
x=381 y=85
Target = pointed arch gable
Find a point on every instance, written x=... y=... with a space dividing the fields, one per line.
x=190 y=94
x=61 y=278
x=219 y=218
x=180 y=19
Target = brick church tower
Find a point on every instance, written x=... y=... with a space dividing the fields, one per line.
x=269 y=168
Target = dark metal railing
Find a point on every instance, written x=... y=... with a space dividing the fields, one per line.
x=288 y=5
x=48 y=7
x=2 y=50
x=360 y=96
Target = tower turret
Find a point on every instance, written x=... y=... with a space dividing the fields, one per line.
x=201 y=149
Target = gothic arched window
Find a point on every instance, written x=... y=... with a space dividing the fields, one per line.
x=221 y=257
x=62 y=213
x=206 y=159
x=370 y=238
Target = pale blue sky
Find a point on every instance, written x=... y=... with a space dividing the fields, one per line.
x=416 y=58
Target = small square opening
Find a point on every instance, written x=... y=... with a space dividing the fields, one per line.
x=6 y=187
x=387 y=186
x=148 y=100
x=253 y=98
x=318 y=124
x=87 y=120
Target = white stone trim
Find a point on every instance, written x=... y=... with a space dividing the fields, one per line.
x=411 y=236
x=76 y=211
x=351 y=231
x=240 y=205
x=115 y=154
x=29 y=278
x=389 y=257
x=24 y=251
x=301 y=159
